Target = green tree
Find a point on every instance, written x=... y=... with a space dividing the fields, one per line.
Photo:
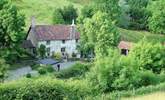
x=111 y=7
x=150 y=56
x=3 y=69
x=156 y=21
x=124 y=20
x=86 y=12
x=42 y=51
x=57 y=17
x=69 y=13
x=11 y=24
x=138 y=13
x=99 y=31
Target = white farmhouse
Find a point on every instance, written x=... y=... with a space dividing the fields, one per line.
x=57 y=38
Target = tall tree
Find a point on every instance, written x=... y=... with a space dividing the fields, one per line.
x=156 y=21
x=57 y=17
x=11 y=24
x=99 y=33
x=138 y=13
x=69 y=13
x=111 y=7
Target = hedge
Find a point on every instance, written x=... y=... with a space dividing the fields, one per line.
x=44 y=89
x=78 y=69
x=117 y=95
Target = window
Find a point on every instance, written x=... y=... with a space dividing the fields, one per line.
x=62 y=49
x=48 y=42
x=63 y=41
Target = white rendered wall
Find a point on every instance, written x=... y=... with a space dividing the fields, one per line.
x=56 y=45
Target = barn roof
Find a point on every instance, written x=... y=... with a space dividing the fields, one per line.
x=54 y=32
x=125 y=45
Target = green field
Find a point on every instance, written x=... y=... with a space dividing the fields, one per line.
x=42 y=9
x=135 y=36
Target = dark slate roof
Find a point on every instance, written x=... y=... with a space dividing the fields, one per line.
x=125 y=45
x=54 y=32
x=47 y=61
x=27 y=44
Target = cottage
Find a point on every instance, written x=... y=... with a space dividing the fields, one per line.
x=57 y=38
x=125 y=47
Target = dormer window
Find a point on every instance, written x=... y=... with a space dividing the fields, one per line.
x=63 y=41
x=48 y=42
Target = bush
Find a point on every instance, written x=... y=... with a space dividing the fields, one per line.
x=42 y=70
x=49 y=68
x=76 y=70
x=57 y=56
x=149 y=56
x=28 y=75
x=45 y=89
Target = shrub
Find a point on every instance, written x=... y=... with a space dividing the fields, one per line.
x=42 y=70
x=149 y=56
x=57 y=56
x=76 y=70
x=45 y=89
x=49 y=68
x=28 y=75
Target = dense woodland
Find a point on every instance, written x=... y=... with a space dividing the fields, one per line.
x=102 y=24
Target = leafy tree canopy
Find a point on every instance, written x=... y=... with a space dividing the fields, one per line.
x=11 y=24
x=156 y=21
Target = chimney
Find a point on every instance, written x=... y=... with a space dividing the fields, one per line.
x=73 y=30
x=33 y=22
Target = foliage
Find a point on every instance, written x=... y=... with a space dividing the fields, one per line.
x=50 y=68
x=138 y=13
x=11 y=24
x=151 y=56
x=3 y=69
x=76 y=70
x=57 y=56
x=100 y=31
x=42 y=51
x=157 y=18
x=124 y=20
x=57 y=17
x=113 y=72
x=69 y=13
x=86 y=12
x=28 y=75
x=42 y=70
x=111 y=7
x=44 y=89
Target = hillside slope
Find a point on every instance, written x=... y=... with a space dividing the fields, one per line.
x=135 y=36
x=42 y=9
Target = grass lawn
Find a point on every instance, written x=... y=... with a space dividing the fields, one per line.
x=153 y=96
x=135 y=36
x=41 y=9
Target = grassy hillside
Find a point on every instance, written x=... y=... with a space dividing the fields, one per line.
x=135 y=36
x=42 y=9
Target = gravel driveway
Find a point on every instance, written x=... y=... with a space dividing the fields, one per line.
x=20 y=72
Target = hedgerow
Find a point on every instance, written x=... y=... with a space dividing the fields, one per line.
x=44 y=89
